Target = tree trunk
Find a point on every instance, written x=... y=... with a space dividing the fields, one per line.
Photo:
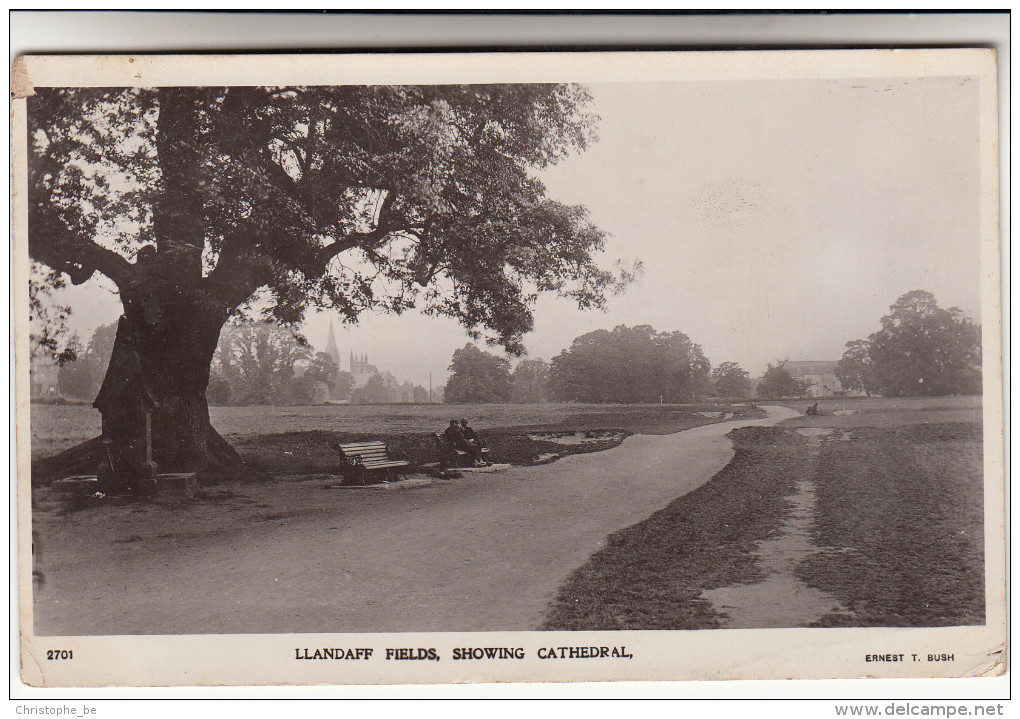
x=166 y=338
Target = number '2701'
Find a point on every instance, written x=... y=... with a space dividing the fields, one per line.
x=59 y=654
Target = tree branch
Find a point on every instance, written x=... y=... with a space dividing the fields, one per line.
x=298 y=154
x=239 y=272
x=384 y=226
x=80 y=258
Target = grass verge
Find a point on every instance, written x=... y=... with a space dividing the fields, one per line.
x=651 y=575
x=902 y=510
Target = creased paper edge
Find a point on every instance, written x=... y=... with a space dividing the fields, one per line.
x=21 y=83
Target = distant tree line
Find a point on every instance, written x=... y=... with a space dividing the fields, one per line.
x=82 y=377
x=622 y=365
x=264 y=363
x=920 y=350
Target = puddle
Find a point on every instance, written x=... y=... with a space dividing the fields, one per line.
x=716 y=415
x=780 y=599
x=814 y=433
x=577 y=437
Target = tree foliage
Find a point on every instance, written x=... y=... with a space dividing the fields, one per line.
x=729 y=379
x=777 y=382
x=374 y=391
x=530 y=380
x=350 y=197
x=82 y=377
x=630 y=364
x=923 y=350
x=855 y=371
x=257 y=361
x=477 y=376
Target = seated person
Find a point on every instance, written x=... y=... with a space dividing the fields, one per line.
x=455 y=436
x=471 y=436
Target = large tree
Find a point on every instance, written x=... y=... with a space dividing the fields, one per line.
x=199 y=204
x=477 y=376
x=729 y=379
x=630 y=364
x=925 y=350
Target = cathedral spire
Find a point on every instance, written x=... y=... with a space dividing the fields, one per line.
x=331 y=349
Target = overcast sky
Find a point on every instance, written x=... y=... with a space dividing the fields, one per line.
x=775 y=219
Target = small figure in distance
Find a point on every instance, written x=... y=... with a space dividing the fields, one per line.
x=455 y=436
x=472 y=437
x=813 y=409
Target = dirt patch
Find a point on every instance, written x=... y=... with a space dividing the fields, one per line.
x=781 y=599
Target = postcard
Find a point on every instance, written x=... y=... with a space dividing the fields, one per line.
x=426 y=368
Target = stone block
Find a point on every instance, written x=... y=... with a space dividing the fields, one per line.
x=176 y=483
x=78 y=484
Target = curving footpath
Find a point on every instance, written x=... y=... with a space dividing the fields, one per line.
x=487 y=552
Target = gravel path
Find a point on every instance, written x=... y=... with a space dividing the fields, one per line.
x=486 y=552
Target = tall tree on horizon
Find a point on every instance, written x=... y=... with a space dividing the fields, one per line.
x=530 y=382
x=729 y=379
x=777 y=383
x=477 y=376
x=925 y=350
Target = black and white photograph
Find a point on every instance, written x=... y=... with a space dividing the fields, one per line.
x=460 y=367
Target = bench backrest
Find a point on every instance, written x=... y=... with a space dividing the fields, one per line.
x=364 y=451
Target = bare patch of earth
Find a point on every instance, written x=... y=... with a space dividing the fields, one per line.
x=780 y=598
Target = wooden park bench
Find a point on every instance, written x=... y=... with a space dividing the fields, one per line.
x=451 y=456
x=359 y=460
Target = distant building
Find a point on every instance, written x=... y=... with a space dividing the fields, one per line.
x=386 y=388
x=361 y=369
x=331 y=347
x=820 y=376
x=44 y=375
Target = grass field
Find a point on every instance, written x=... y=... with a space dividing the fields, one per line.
x=898 y=524
x=296 y=440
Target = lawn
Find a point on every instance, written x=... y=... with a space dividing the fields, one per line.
x=297 y=440
x=897 y=520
